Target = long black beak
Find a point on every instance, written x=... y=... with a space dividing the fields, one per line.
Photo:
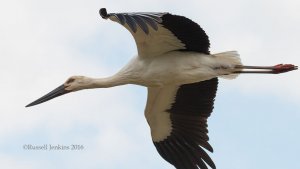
x=54 y=93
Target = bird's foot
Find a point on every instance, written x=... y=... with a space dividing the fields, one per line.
x=282 y=68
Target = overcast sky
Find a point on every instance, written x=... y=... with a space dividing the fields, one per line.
x=255 y=123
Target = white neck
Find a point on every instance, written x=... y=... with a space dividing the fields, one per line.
x=129 y=74
x=108 y=82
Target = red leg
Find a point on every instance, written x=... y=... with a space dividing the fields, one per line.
x=280 y=68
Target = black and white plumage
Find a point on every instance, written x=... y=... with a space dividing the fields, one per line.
x=161 y=32
x=183 y=147
x=191 y=103
x=181 y=75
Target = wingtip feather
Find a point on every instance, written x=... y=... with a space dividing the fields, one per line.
x=103 y=13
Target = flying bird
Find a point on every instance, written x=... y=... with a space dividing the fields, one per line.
x=181 y=75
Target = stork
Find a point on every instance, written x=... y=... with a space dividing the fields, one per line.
x=181 y=75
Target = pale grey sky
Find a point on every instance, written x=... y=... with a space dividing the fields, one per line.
x=255 y=123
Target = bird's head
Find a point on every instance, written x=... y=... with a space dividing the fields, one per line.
x=76 y=83
x=72 y=84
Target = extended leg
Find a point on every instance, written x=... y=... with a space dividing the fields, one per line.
x=280 y=68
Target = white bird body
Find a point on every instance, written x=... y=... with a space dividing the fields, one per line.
x=181 y=75
x=175 y=68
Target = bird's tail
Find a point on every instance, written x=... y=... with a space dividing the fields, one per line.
x=228 y=62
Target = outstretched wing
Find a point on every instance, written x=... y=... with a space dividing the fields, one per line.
x=177 y=115
x=178 y=120
x=159 y=33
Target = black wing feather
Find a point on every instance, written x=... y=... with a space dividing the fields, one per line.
x=131 y=23
x=121 y=18
x=189 y=32
x=142 y=23
x=189 y=112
